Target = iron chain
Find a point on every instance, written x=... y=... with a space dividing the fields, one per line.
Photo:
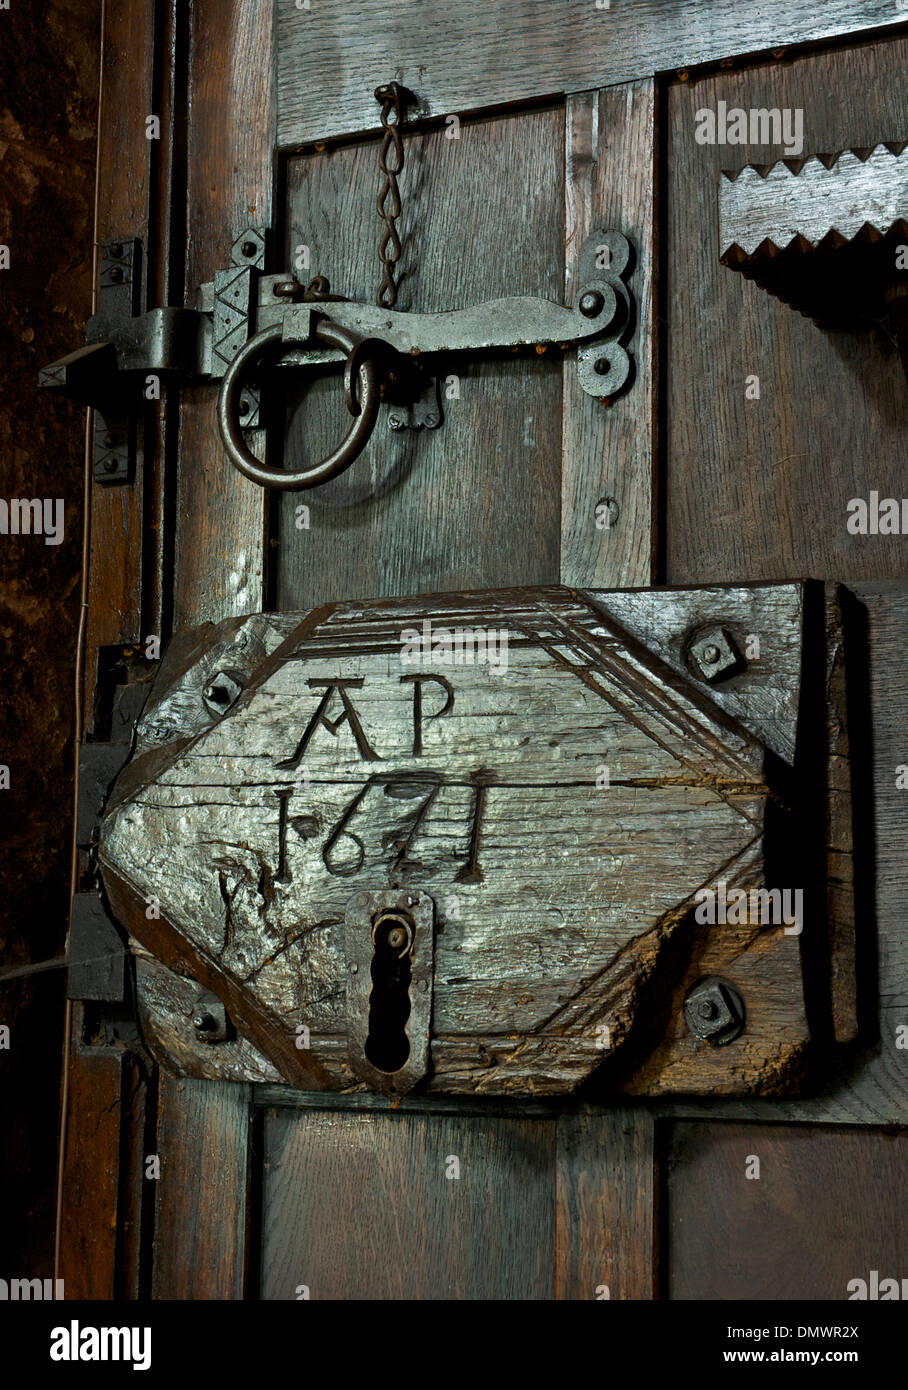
x=391 y=161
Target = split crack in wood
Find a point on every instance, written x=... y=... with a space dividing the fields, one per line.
x=555 y=934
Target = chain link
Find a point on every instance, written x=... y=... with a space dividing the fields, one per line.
x=391 y=162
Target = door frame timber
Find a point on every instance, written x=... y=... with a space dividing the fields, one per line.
x=331 y=59
x=186 y=195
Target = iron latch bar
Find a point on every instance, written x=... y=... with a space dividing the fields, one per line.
x=499 y=323
x=602 y=313
x=380 y=345
x=244 y=313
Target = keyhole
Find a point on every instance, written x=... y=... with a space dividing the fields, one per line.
x=387 y=1045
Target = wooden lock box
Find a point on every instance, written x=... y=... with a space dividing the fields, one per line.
x=562 y=777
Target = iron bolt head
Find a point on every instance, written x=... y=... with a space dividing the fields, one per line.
x=590 y=304
x=713 y=655
x=249 y=249
x=209 y=1019
x=714 y=1011
x=221 y=692
x=116 y=274
x=116 y=251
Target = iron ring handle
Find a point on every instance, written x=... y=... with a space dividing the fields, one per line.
x=342 y=457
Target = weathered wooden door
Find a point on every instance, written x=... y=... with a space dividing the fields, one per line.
x=734 y=455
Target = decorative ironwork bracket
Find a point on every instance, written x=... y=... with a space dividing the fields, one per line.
x=244 y=313
x=128 y=352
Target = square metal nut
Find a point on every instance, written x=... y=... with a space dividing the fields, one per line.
x=714 y=1010
x=715 y=655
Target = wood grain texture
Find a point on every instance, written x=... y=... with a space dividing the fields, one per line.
x=826 y=198
x=765 y=695
x=360 y=1207
x=868 y=1083
x=760 y=487
x=605 y=1206
x=558 y=902
x=330 y=59
x=610 y=451
x=117 y=540
x=135 y=1212
x=200 y=1227
x=220 y=534
x=475 y=502
x=166 y=1003
x=88 y=1229
x=829 y=1206
x=202 y=1210
x=795 y=231
x=165 y=286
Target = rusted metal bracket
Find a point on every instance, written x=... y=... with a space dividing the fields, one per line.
x=125 y=347
x=422 y=411
x=595 y=325
x=244 y=314
x=380 y=344
x=97 y=954
x=90 y=376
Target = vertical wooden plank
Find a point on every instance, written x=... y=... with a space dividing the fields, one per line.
x=474 y=503
x=90 y=1176
x=124 y=183
x=102 y=1213
x=824 y=1207
x=611 y=451
x=605 y=1206
x=407 y=1207
x=166 y=275
x=203 y=1128
x=202 y=1199
x=133 y=1212
x=760 y=487
x=220 y=533
x=90 y=1216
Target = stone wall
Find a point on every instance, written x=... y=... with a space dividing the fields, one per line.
x=49 y=56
